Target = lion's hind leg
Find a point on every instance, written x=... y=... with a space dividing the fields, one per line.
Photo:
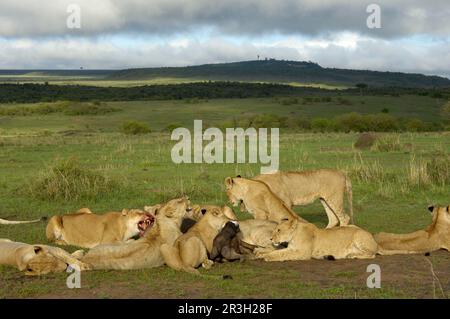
x=333 y=220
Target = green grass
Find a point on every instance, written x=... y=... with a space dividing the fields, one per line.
x=159 y=114
x=145 y=175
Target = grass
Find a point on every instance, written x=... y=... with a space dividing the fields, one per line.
x=159 y=114
x=97 y=167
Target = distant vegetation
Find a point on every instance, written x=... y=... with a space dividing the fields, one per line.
x=349 y=122
x=135 y=128
x=272 y=70
x=64 y=107
x=192 y=92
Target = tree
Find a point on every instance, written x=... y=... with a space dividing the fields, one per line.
x=361 y=87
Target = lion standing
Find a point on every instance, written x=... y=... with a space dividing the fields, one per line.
x=302 y=188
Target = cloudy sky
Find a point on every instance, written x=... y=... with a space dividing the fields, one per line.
x=414 y=34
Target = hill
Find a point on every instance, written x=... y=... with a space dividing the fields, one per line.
x=285 y=72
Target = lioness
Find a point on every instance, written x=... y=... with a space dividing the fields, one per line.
x=302 y=188
x=144 y=252
x=36 y=260
x=258 y=199
x=304 y=241
x=435 y=236
x=87 y=230
x=192 y=248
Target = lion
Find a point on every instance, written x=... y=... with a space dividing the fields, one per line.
x=144 y=252
x=192 y=248
x=302 y=188
x=303 y=241
x=436 y=236
x=258 y=199
x=87 y=230
x=36 y=260
x=255 y=232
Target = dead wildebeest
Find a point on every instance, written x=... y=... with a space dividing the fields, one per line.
x=228 y=244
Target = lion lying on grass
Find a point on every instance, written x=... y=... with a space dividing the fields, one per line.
x=302 y=188
x=87 y=230
x=192 y=248
x=435 y=236
x=302 y=241
x=35 y=260
x=144 y=252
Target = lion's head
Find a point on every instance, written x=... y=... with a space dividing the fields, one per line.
x=217 y=216
x=36 y=261
x=174 y=209
x=440 y=214
x=284 y=232
x=236 y=189
x=137 y=221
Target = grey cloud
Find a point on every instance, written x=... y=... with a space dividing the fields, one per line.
x=26 y=18
x=367 y=54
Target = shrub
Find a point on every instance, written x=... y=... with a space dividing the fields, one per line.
x=135 y=128
x=68 y=180
x=365 y=141
x=172 y=126
x=322 y=125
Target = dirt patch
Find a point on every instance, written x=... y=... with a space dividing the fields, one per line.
x=402 y=276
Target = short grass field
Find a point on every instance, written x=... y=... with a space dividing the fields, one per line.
x=391 y=189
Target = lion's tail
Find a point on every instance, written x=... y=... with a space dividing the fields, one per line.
x=172 y=259
x=349 y=191
x=16 y=222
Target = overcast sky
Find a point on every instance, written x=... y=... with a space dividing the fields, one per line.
x=414 y=34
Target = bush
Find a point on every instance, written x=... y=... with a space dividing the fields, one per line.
x=172 y=126
x=135 y=128
x=365 y=141
x=322 y=125
x=68 y=180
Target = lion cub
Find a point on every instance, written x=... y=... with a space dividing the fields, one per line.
x=87 y=230
x=435 y=236
x=303 y=241
x=191 y=249
x=36 y=260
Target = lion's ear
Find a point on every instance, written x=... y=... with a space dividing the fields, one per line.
x=228 y=212
x=430 y=208
x=124 y=212
x=238 y=176
x=228 y=181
